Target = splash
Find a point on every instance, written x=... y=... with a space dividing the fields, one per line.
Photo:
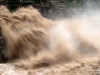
x=34 y=41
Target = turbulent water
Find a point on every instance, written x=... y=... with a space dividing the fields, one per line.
x=33 y=41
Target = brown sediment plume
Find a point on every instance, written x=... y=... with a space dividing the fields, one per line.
x=4 y=10
x=24 y=32
x=34 y=41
